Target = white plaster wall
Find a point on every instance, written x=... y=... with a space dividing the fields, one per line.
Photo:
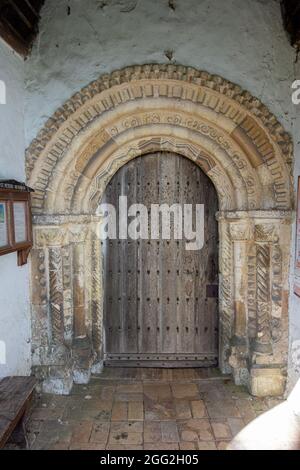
x=294 y=353
x=14 y=281
x=243 y=41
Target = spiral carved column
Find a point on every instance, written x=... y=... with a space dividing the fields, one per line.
x=262 y=344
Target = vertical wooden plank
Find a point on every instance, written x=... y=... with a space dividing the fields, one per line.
x=203 y=270
x=200 y=268
x=113 y=295
x=188 y=266
x=195 y=196
x=107 y=266
x=208 y=268
x=213 y=260
x=106 y=284
x=122 y=265
x=183 y=315
x=129 y=273
x=179 y=271
x=148 y=321
x=139 y=264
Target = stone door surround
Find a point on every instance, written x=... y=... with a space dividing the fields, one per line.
x=246 y=153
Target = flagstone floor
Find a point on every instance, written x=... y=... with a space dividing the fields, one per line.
x=145 y=409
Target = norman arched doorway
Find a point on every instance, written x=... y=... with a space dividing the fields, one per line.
x=160 y=294
x=242 y=149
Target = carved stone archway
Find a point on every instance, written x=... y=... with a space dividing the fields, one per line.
x=236 y=141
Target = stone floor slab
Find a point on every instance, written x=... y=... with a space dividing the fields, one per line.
x=221 y=430
x=186 y=391
x=82 y=431
x=222 y=409
x=126 y=427
x=183 y=409
x=158 y=391
x=209 y=445
x=236 y=425
x=198 y=409
x=100 y=433
x=124 y=438
x=162 y=446
x=136 y=410
x=119 y=411
x=195 y=429
x=152 y=432
x=169 y=431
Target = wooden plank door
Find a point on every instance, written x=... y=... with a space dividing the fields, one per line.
x=160 y=299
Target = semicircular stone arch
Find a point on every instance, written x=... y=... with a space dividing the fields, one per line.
x=235 y=140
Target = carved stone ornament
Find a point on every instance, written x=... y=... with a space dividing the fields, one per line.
x=265 y=233
x=241 y=231
x=49 y=236
x=78 y=233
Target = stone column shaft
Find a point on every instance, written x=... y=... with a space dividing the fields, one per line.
x=241 y=233
x=97 y=295
x=56 y=295
x=79 y=290
x=262 y=344
x=240 y=288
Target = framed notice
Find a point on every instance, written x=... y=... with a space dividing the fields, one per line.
x=20 y=223
x=297 y=266
x=15 y=220
x=3 y=225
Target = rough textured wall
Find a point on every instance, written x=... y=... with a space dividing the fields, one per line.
x=14 y=302
x=243 y=41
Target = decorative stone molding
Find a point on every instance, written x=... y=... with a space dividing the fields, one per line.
x=171 y=74
x=236 y=133
x=236 y=141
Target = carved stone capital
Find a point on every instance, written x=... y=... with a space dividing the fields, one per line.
x=49 y=236
x=78 y=233
x=241 y=231
x=266 y=233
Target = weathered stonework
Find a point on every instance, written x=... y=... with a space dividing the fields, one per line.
x=236 y=141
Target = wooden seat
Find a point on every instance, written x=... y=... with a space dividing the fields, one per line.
x=15 y=398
